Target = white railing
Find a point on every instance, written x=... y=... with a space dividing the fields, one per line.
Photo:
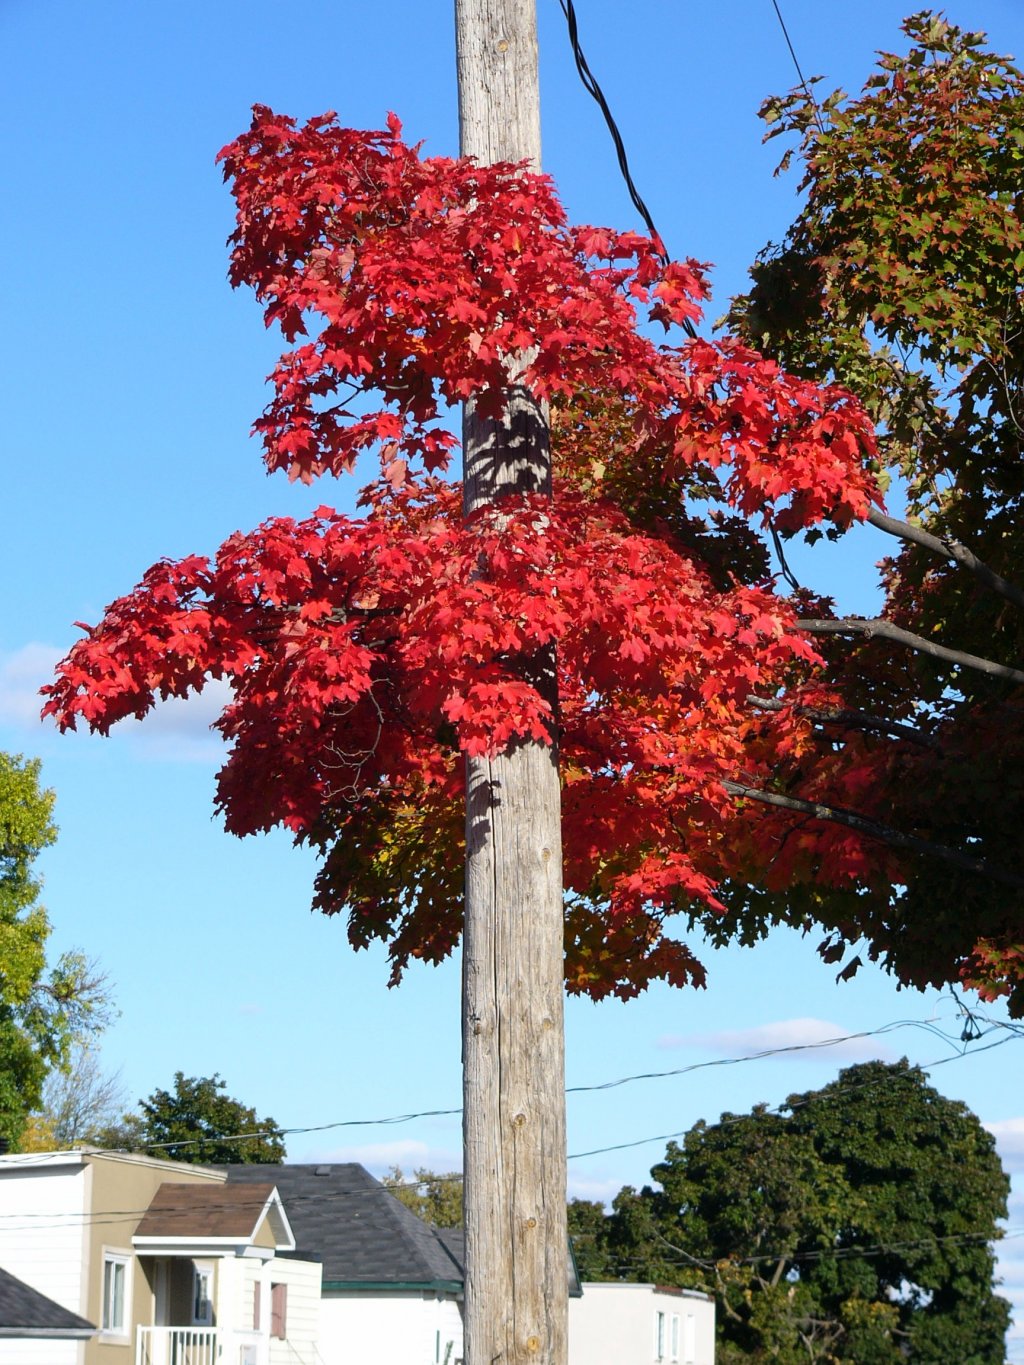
x=198 y=1346
x=177 y=1346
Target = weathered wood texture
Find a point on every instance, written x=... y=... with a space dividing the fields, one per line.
x=513 y=1035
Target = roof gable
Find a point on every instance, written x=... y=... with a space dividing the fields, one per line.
x=361 y=1232
x=24 y=1312
x=238 y=1217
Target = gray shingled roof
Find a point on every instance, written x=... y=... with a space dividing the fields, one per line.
x=24 y=1312
x=360 y=1232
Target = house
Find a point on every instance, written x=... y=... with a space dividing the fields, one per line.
x=391 y=1285
x=166 y=1259
x=614 y=1323
x=266 y=1265
x=30 y=1323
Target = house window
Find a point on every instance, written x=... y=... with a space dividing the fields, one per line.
x=690 y=1340
x=256 y=1324
x=674 y=1335
x=278 y=1310
x=202 y=1295
x=115 y=1293
x=659 y=1336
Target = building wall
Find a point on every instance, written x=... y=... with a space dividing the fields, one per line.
x=389 y=1327
x=42 y=1241
x=617 y=1324
x=125 y=1185
x=301 y=1344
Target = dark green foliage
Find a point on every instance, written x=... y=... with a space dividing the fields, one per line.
x=902 y=279
x=434 y=1197
x=196 y=1122
x=854 y=1228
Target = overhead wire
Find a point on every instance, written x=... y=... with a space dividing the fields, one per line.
x=156 y=1148
x=1010 y=1033
x=799 y=70
x=593 y=88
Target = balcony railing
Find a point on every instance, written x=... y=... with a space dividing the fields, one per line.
x=198 y=1346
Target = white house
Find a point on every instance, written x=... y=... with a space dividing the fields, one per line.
x=164 y=1260
x=614 y=1323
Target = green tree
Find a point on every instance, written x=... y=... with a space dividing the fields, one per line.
x=199 y=1123
x=435 y=1198
x=42 y=1011
x=854 y=1227
x=902 y=278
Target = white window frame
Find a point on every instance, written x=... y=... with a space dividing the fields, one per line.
x=202 y=1279
x=659 y=1334
x=690 y=1340
x=673 y=1336
x=115 y=1261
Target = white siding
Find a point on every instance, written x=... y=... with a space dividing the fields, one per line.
x=389 y=1327
x=617 y=1324
x=15 y=1351
x=43 y=1231
x=300 y=1345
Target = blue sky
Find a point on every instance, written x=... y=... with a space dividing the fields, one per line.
x=132 y=374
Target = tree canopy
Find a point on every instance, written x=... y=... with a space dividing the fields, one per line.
x=435 y=1197
x=42 y=1010
x=854 y=1226
x=902 y=279
x=733 y=752
x=197 y=1121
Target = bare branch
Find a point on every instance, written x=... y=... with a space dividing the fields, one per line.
x=948 y=548
x=862 y=720
x=885 y=630
x=883 y=833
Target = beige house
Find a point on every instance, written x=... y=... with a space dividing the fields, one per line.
x=167 y=1262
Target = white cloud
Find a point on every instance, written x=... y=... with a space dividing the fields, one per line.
x=1009 y=1136
x=806 y=1037
x=22 y=674
x=585 y=1187
x=176 y=729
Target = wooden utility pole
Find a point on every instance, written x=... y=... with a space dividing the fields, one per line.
x=512 y=1018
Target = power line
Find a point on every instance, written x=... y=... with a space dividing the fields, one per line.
x=590 y=84
x=786 y=1105
x=156 y=1148
x=796 y=62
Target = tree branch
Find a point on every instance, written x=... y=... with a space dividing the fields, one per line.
x=862 y=720
x=885 y=630
x=948 y=548
x=836 y=815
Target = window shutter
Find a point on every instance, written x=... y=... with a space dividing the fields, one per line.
x=278 y=1310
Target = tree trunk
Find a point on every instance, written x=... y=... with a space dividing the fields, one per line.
x=512 y=1024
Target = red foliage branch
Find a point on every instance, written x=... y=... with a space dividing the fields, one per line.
x=364 y=655
x=421 y=278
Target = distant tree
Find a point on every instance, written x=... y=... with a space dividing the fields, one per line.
x=434 y=1197
x=196 y=1122
x=78 y=1104
x=855 y=1227
x=42 y=1010
x=588 y=1232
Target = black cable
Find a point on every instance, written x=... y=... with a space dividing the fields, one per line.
x=594 y=90
x=792 y=52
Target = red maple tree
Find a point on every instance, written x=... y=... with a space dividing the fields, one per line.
x=366 y=655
